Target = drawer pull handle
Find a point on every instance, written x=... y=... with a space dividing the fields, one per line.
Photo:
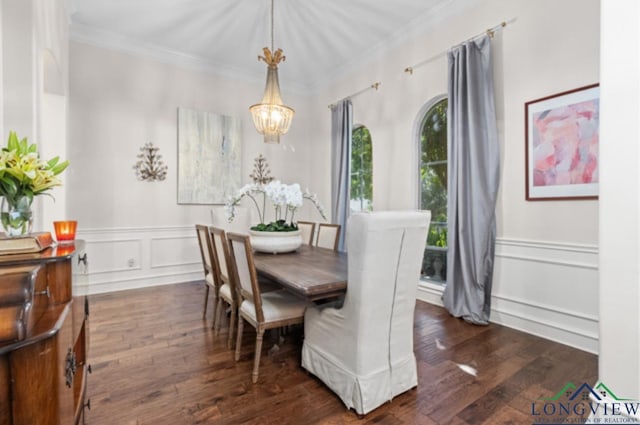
x=45 y=292
x=89 y=369
x=88 y=404
x=83 y=259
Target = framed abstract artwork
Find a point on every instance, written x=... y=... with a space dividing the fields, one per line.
x=209 y=157
x=561 y=152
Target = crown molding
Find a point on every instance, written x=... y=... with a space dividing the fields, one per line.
x=70 y=9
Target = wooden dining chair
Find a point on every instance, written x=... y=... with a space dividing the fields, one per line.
x=227 y=292
x=308 y=229
x=328 y=236
x=206 y=252
x=263 y=311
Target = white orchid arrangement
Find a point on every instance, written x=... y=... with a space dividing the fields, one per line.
x=285 y=199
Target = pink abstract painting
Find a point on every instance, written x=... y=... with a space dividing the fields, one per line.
x=565 y=144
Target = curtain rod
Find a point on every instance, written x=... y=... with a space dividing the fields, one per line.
x=490 y=32
x=372 y=86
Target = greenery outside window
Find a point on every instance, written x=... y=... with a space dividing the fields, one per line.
x=361 y=196
x=433 y=188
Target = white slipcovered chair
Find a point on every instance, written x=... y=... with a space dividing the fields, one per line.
x=364 y=350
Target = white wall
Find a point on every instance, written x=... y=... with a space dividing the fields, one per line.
x=546 y=272
x=619 y=360
x=546 y=277
x=118 y=103
x=18 y=82
x=1 y=69
x=34 y=84
x=51 y=61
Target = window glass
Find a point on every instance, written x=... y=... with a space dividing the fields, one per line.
x=433 y=188
x=361 y=170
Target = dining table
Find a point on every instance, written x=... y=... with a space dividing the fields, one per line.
x=312 y=273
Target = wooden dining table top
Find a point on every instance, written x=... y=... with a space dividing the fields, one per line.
x=310 y=272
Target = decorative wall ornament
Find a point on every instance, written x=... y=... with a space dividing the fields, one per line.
x=261 y=171
x=209 y=157
x=149 y=167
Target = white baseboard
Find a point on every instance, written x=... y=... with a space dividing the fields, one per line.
x=116 y=285
x=430 y=293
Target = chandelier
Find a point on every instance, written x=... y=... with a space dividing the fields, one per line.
x=270 y=116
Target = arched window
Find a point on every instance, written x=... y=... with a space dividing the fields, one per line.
x=361 y=170
x=433 y=187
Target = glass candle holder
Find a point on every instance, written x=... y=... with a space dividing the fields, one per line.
x=65 y=231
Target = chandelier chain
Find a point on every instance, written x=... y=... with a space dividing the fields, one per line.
x=272 y=1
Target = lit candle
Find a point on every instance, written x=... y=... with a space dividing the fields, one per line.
x=65 y=230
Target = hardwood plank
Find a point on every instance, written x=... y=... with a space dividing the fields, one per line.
x=156 y=361
x=507 y=416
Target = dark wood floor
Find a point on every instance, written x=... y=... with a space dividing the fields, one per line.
x=155 y=361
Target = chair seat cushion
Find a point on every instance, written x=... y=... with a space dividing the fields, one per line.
x=276 y=305
x=209 y=279
x=225 y=293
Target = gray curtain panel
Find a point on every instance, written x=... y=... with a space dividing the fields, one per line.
x=341 y=128
x=474 y=173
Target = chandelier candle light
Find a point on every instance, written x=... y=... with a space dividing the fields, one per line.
x=271 y=117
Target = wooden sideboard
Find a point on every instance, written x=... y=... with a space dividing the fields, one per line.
x=44 y=337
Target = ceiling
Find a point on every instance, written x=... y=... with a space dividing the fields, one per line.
x=322 y=39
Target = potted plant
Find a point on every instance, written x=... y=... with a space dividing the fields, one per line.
x=23 y=176
x=280 y=234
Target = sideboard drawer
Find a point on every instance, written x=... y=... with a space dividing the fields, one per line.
x=31 y=368
x=24 y=297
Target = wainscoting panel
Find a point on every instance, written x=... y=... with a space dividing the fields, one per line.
x=171 y=251
x=128 y=258
x=542 y=288
x=115 y=255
